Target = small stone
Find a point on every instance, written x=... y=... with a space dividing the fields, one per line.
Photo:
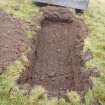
x=53 y=79
x=61 y=88
x=95 y=72
x=52 y=74
x=58 y=50
x=42 y=78
x=87 y=56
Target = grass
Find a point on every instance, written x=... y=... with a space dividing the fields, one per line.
x=23 y=9
x=96 y=40
x=10 y=94
x=95 y=43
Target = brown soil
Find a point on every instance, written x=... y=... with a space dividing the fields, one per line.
x=57 y=60
x=12 y=39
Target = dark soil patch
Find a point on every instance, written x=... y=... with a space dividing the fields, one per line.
x=57 y=60
x=12 y=40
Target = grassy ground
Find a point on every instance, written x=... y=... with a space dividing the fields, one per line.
x=23 y=9
x=94 y=17
x=96 y=40
x=96 y=44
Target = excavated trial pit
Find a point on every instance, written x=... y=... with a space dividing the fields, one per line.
x=57 y=59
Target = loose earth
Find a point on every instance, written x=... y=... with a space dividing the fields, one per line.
x=12 y=40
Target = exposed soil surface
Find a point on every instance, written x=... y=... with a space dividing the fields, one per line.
x=57 y=60
x=12 y=40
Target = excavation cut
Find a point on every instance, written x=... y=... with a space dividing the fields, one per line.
x=57 y=58
x=12 y=40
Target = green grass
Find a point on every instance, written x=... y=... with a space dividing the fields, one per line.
x=10 y=94
x=23 y=9
x=95 y=19
x=96 y=40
